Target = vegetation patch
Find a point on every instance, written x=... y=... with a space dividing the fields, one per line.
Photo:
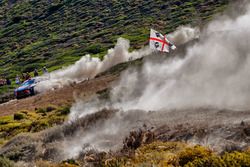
x=31 y=121
x=19 y=116
x=4 y=162
x=63 y=110
x=175 y=154
x=38 y=33
x=179 y=154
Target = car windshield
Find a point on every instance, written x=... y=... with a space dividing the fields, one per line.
x=28 y=82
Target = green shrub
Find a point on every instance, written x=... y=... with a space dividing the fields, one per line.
x=193 y=153
x=64 y=110
x=30 y=67
x=4 y=162
x=19 y=116
x=212 y=161
x=228 y=159
x=17 y=19
x=71 y=161
x=53 y=8
x=39 y=125
x=41 y=110
x=94 y=49
x=236 y=159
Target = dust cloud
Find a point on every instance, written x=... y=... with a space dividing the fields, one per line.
x=214 y=73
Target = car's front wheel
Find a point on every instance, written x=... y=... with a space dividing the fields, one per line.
x=32 y=91
x=17 y=97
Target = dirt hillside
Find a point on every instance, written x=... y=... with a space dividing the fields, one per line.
x=60 y=97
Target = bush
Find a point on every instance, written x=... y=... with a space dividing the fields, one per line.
x=228 y=159
x=236 y=159
x=53 y=8
x=50 y=108
x=70 y=161
x=213 y=161
x=154 y=154
x=17 y=19
x=64 y=110
x=193 y=153
x=19 y=116
x=39 y=125
x=4 y=162
x=94 y=49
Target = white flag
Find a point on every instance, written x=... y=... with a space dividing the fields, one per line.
x=159 y=42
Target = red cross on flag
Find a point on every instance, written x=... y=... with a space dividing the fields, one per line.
x=159 y=42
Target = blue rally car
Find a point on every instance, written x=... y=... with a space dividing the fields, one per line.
x=26 y=89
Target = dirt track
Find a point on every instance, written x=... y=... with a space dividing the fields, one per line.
x=59 y=97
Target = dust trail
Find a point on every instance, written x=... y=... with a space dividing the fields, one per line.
x=110 y=133
x=214 y=73
x=182 y=35
x=88 y=67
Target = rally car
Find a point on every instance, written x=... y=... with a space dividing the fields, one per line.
x=26 y=89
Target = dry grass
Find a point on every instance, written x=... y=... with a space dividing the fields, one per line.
x=31 y=121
